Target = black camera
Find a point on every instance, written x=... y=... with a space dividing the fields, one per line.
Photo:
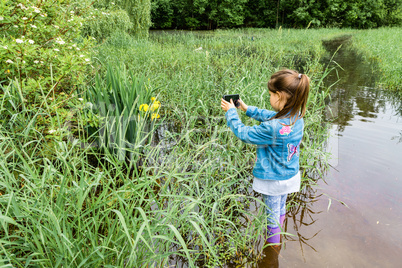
x=234 y=97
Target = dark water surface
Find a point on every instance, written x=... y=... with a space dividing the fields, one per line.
x=366 y=142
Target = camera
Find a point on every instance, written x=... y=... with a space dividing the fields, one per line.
x=234 y=97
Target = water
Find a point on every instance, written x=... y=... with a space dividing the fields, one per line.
x=364 y=230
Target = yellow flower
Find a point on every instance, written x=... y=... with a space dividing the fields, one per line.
x=155 y=105
x=8 y=71
x=144 y=107
x=153 y=98
x=155 y=116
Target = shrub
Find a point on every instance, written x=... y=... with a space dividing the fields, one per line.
x=41 y=43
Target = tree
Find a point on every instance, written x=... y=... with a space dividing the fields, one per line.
x=139 y=12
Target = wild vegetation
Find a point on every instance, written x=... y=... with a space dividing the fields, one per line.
x=114 y=151
x=382 y=47
x=202 y=14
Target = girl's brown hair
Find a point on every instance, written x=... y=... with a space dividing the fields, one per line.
x=296 y=86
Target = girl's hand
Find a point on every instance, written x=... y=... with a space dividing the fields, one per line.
x=227 y=105
x=243 y=106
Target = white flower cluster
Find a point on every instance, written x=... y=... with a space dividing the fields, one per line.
x=22 y=6
x=60 y=41
x=50 y=131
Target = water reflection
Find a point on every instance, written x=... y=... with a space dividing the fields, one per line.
x=355 y=94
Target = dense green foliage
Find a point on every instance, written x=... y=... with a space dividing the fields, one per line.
x=138 y=11
x=104 y=22
x=202 y=14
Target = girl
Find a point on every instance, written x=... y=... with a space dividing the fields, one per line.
x=278 y=138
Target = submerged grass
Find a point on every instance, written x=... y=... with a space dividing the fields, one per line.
x=186 y=195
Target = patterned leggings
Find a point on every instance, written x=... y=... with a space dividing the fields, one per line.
x=276 y=207
x=276 y=211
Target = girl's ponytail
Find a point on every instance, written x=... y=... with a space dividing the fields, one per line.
x=303 y=90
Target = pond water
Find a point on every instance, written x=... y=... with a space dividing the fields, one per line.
x=365 y=228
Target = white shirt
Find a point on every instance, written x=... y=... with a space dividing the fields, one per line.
x=276 y=187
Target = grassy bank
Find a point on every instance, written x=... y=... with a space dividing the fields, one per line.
x=186 y=193
x=382 y=47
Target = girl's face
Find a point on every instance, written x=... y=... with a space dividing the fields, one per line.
x=277 y=100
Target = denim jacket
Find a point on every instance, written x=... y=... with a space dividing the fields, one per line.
x=278 y=144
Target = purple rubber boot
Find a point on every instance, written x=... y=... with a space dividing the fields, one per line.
x=282 y=219
x=273 y=235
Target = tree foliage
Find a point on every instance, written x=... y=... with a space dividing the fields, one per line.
x=198 y=14
x=203 y=14
x=139 y=12
x=104 y=22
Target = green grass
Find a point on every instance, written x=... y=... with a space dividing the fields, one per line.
x=383 y=47
x=64 y=204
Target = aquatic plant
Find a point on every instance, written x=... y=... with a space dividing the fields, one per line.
x=121 y=103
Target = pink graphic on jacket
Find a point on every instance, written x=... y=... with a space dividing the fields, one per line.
x=285 y=130
x=293 y=150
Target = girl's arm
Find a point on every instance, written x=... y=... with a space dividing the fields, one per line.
x=255 y=113
x=261 y=115
x=264 y=134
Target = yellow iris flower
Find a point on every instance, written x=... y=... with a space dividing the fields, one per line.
x=154 y=116
x=155 y=105
x=144 y=107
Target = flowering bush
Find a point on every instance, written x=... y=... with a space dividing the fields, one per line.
x=41 y=42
